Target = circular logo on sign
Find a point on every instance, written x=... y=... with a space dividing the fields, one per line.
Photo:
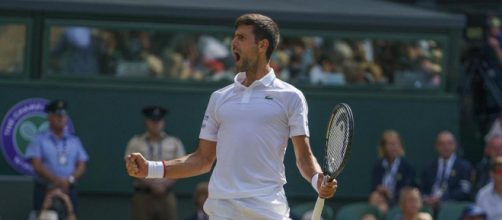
x=21 y=123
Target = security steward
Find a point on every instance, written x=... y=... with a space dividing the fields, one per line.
x=153 y=199
x=57 y=156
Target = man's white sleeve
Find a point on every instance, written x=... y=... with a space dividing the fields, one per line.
x=209 y=128
x=298 y=116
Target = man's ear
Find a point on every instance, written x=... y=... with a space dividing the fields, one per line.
x=263 y=44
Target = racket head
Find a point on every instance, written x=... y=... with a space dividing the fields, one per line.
x=338 y=140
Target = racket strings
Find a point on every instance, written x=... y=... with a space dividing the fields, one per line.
x=337 y=140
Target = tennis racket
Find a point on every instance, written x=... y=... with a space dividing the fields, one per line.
x=338 y=144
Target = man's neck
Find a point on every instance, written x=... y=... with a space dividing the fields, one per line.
x=256 y=74
x=154 y=136
x=57 y=132
x=409 y=216
x=447 y=157
x=497 y=188
x=391 y=160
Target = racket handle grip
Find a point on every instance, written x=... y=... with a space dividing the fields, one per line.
x=319 y=205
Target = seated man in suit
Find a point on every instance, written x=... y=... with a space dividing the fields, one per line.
x=493 y=150
x=447 y=177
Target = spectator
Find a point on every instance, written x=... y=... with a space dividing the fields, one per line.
x=154 y=198
x=57 y=156
x=493 y=35
x=138 y=59
x=76 y=53
x=392 y=171
x=13 y=40
x=325 y=73
x=489 y=198
x=493 y=149
x=200 y=197
x=496 y=128
x=410 y=204
x=368 y=216
x=110 y=56
x=472 y=212
x=57 y=205
x=448 y=177
x=380 y=200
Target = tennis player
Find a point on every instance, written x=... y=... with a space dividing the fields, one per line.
x=246 y=128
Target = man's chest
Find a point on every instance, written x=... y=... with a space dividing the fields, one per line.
x=258 y=107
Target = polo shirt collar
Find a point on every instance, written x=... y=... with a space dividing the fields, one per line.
x=266 y=80
x=54 y=137
x=147 y=137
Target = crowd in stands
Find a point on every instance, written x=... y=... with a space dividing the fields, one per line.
x=306 y=60
x=12 y=49
x=398 y=194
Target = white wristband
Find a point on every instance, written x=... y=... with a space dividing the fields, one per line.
x=314 y=182
x=155 y=169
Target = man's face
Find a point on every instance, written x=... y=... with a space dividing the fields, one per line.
x=411 y=203
x=497 y=175
x=154 y=127
x=57 y=121
x=494 y=148
x=445 y=145
x=392 y=146
x=244 y=48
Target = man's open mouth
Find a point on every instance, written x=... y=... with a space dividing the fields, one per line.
x=237 y=57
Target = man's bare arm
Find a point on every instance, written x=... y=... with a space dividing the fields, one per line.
x=196 y=163
x=308 y=166
x=305 y=160
x=42 y=171
x=79 y=170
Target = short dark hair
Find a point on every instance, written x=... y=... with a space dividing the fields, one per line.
x=263 y=28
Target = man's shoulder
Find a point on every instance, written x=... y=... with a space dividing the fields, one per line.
x=171 y=138
x=287 y=90
x=280 y=84
x=405 y=164
x=460 y=162
x=41 y=136
x=72 y=136
x=224 y=90
x=138 y=137
x=485 y=190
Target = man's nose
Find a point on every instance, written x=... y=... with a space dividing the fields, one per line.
x=234 y=44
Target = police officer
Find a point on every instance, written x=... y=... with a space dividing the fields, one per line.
x=153 y=198
x=57 y=156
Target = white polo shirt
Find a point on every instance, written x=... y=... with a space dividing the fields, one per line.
x=490 y=201
x=251 y=126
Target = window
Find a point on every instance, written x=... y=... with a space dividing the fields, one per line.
x=187 y=53
x=12 y=48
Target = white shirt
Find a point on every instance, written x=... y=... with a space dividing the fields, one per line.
x=167 y=148
x=490 y=201
x=251 y=126
x=437 y=189
x=389 y=178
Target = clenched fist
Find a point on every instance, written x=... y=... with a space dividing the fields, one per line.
x=326 y=189
x=136 y=165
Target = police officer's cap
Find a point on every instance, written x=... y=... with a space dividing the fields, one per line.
x=154 y=112
x=56 y=107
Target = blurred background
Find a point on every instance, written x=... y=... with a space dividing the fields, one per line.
x=417 y=67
